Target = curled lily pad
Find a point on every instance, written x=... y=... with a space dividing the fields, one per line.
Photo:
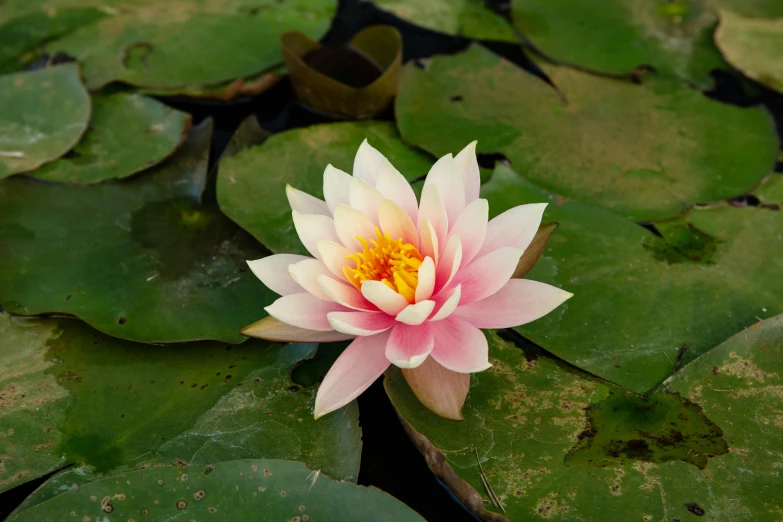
x=356 y=81
x=128 y=133
x=42 y=115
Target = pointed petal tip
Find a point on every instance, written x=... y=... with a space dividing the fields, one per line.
x=413 y=362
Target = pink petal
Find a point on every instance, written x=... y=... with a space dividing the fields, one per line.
x=460 y=346
x=395 y=187
x=395 y=222
x=416 y=313
x=312 y=228
x=366 y=163
x=304 y=203
x=304 y=311
x=306 y=274
x=365 y=199
x=408 y=346
x=449 y=264
x=446 y=303
x=442 y=391
x=486 y=275
x=468 y=166
x=471 y=227
x=431 y=209
x=361 y=323
x=428 y=241
x=336 y=184
x=515 y=227
x=426 y=280
x=350 y=223
x=353 y=372
x=272 y=329
x=447 y=177
x=334 y=256
x=273 y=272
x=519 y=302
x=346 y=295
x=386 y=299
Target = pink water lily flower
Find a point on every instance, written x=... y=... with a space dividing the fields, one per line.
x=411 y=282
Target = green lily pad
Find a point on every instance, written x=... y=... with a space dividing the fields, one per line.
x=71 y=395
x=298 y=157
x=233 y=490
x=554 y=443
x=467 y=18
x=642 y=302
x=128 y=133
x=42 y=115
x=141 y=259
x=753 y=46
x=170 y=45
x=771 y=192
x=646 y=151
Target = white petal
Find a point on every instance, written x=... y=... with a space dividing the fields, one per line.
x=416 y=313
x=426 y=280
x=428 y=241
x=395 y=222
x=334 y=257
x=313 y=228
x=346 y=295
x=273 y=272
x=486 y=275
x=273 y=329
x=304 y=203
x=431 y=209
x=446 y=176
x=336 y=185
x=306 y=274
x=515 y=227
x=460 y=346
x=304 y=311
x=365 y=199
x=447 y=307
x=471 y=227
x=361 y=323
x=386 y=299
x=395 y=187
x=366 y=162
x=468 y=166
x=409 y=346
x=449 y=264
x=350 y=223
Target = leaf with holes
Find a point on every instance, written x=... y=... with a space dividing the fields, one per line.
x=643 y=151
x=128 y=133
x=298 y=157
x=42 y=115
x=71 y=395
x=545 y=440
x=142 y=259
x=642 y=302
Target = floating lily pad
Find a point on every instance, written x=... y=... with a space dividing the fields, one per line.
x=643 y=302
x=71 y=395
x=554 y=443
x=772 y=191
x=42 y=115
x=753 y=45
x=468 y=18
x=233 y=490
x=298 y=157
x=643 y=151
x=170 y=45
x=141 y=259
x=128 y=133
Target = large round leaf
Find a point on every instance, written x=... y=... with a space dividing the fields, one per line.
x=251 y=184
x=642 y=302
x=141 y=259
x=642 y=151
x=169 y=45
x=546 y=441
x=226 y=491
x=42 y=115
x=70 y=395
x=128 y=133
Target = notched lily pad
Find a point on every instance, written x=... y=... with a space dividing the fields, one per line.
x=42 y=115
x=128 y=133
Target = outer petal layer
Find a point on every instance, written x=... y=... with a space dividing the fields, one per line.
x=520 y=301
x=408 y=346
x=304 y=311
x=445 y=175
x=468 y=166
x=488 y=274
x=366 y=163
x=360 y=323
x=442 y=391
x=353 y=372
x=395 y=187
x=471 y=227
x=515 y=227
x=336 y=184
x=304 y=203
x=312 y=228
x=272 y=329
x=273 y=272
x=460 y=346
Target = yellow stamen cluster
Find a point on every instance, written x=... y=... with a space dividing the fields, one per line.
x=389 y=260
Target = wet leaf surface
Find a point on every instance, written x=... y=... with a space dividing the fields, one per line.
x=532 y=422
x=643 y=151
x=298 y=157
x=642 y=302
x=80 y=397
x=140 y=259
x=42 y=115
x=128 y=133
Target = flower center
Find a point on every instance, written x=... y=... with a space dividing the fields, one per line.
x=389 y=260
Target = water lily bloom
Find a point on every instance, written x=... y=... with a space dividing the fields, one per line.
x=411 y=282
